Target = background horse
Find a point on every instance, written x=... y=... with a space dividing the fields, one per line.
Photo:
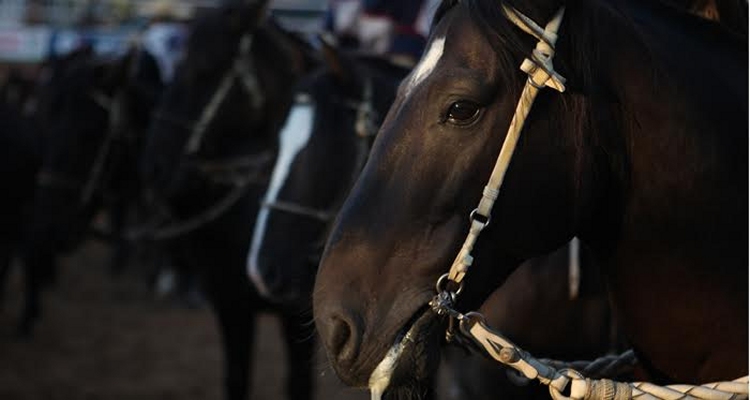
x=87 y=108
x=208 y=160
x=347 y=99
x=20 y=144
x=635 y=157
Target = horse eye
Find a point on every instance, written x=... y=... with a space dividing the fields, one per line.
x=463 y=112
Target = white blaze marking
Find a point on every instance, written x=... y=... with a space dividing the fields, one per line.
x=427 y=64
x=293 y=138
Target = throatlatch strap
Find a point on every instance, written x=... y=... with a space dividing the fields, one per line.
x=541 y=73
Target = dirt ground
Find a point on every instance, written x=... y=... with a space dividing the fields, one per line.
x=109 y=338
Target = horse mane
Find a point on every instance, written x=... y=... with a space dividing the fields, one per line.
x=589 y=17
x=302 y=53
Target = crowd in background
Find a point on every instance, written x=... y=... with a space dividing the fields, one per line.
x=394 y=28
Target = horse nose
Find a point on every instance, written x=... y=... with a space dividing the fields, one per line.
x=341 y=333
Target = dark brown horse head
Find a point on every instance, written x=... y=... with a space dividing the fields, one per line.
x=604 y=160
x=229 y=95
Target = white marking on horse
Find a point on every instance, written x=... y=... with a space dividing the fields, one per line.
x=427 y=64
x=293 y=138
x=381 y=376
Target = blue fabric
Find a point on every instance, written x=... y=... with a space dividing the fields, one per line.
x=408 y=44
x=402 y=12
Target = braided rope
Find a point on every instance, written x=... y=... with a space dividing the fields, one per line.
x=559 y=380
x=605 y=389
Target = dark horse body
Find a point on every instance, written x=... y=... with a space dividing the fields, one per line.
x=644 y=157
x=90 y=114
x=208 y=161
x=20 y=144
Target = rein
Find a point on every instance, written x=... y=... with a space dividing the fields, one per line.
x=47 y=178
x=472 y=328
x=243 y=69
x=239 y=172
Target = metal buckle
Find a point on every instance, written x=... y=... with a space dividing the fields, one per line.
x=442 y=285
x=475 y=213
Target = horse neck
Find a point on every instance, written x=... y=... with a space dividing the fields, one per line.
x=676 y=154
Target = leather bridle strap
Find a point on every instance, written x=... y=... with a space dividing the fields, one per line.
x=242 y=69
x=541 y=73
x=113 y=106
x=298 y=209
x=116 y=120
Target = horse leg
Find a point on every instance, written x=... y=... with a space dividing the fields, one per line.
x=231 y=299
x=38 y=264
x=300 y=351
x=118 y=215
x=6 y=251
x=237 y=326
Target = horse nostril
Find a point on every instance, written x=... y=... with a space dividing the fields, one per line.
x=343 y=339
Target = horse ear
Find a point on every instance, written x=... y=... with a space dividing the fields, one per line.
x=112 y=74
x=333 y=59
x=249 y=16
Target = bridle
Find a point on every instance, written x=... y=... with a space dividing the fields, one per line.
x=114 y=106
x=365 y=127
x=242 y=70
x=238 y=172
x=541 y=74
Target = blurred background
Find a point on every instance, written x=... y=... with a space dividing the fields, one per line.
x=32 y=30
x=98 y=300
x=128 y=335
